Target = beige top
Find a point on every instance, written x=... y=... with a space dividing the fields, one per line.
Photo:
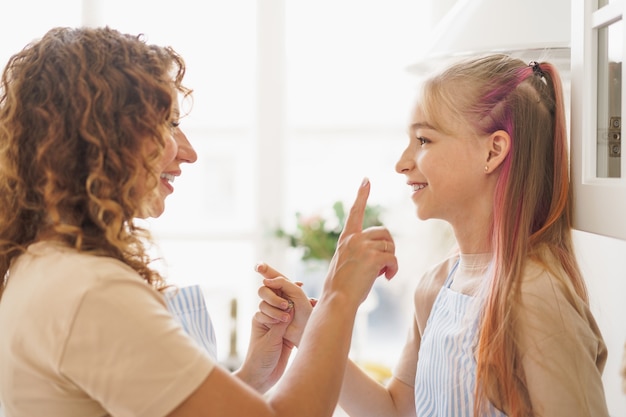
x=86 y=336
x=562 y=349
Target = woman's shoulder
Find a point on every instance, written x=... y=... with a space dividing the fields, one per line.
x=70 y=275
x=69 y=261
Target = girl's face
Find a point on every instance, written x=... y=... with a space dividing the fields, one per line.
x=445 y=171
x=178 y=150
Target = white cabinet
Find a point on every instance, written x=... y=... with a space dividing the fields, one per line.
x=597 y=94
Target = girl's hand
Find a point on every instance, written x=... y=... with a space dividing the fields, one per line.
x=283 y=300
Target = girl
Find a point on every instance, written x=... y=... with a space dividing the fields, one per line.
x=503 y=327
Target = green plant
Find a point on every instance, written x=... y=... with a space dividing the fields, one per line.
x=318 y=236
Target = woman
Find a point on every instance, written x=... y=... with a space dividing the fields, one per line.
x=88 y=143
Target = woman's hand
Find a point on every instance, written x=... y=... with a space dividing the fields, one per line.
x=361 y=255
x=268 y=353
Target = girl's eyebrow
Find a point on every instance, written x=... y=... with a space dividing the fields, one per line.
x=421 y=125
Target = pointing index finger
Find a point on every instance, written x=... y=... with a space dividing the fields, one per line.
x=267 y=271
x=354 y=221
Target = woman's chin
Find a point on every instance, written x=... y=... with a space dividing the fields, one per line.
x=153 y=210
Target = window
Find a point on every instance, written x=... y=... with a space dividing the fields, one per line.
x=294 y=103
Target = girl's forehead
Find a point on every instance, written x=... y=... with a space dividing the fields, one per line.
x=437 y=117
x=423 y=119
x=418 y=115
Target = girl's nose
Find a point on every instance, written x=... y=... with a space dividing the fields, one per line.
x=405 y=163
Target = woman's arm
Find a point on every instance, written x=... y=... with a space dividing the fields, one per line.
x=361 y=395
x=310 y=388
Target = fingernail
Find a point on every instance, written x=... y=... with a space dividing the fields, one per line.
x=257 y=267
x=365 y=182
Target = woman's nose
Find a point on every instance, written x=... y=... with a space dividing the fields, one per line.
x=186 y=152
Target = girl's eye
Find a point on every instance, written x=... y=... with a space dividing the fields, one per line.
x=174 y=124
x=422 y=140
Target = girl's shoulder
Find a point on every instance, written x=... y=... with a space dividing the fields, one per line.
x=435 y=276
x=433 y=279
x=543 y=276
x=428 y=287
x=547 y=290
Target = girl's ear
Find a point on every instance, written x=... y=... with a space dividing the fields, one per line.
x=499 y=144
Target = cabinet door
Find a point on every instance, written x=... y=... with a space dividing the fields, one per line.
x=597 y=167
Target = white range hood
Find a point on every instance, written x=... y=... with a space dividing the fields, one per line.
x=531 y=29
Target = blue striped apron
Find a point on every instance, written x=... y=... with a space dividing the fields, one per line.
x=446 y=369
x=188 y=307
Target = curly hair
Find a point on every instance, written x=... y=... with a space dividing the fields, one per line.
x=84 y=115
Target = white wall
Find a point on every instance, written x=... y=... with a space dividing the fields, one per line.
x=603 y=261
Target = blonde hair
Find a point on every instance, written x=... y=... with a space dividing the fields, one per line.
x=78 y=108
x=532 y=201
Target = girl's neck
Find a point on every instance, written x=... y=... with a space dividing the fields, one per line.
x=473 y=269
x=473 y=234
x=478 y=243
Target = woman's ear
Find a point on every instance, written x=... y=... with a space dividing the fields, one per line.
x=498 y=144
